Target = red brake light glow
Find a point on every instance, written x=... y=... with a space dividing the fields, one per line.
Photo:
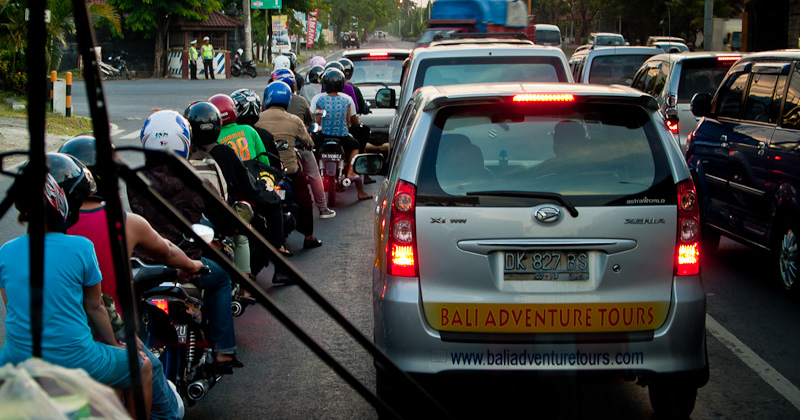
x=379 y=54
x=543 y=97
x=402 y=245
x=687 y=253
x=729 y=59
x=673 y=126
x=162 y=304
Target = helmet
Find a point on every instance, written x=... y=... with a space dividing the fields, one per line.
x=281 y=62
x=76 y=181
x=206 y=39
x=348 y=67
x=285 y=76
x=335 y=65
x=248 y=106
x=58 y=209
x=315 y=74
x=333 y=80
x=240 y=51
x=317 y=60
x=167 y=130
x=292 y=59
x=206 y=122
x=277 y=93
x=84 y=148
x=226 y=107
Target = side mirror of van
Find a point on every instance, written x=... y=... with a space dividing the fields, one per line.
x=369 y=164
x=701 y=104
x=385 y=98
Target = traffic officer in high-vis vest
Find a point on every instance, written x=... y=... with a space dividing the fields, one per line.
x=193 y=60
x=208 y=56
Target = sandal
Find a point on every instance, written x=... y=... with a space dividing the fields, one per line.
x=228 y=366
x=285 y=252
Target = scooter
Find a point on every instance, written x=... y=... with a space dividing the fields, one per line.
x=118 y=69
x=238 y=67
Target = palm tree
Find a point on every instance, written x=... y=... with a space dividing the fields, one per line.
x=62 y=24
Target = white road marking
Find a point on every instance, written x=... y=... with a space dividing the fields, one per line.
x=132 y=135
x=752 y=360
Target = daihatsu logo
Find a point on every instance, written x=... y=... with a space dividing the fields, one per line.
x=547 y=214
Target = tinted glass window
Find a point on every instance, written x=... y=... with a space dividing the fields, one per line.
x=377 y=71
x=729 y=97
x=701 y=76
x=490 y=69
x=791 y=109
x=759 y=104
x=597 y=154
x=548 y=37
x=615 y=69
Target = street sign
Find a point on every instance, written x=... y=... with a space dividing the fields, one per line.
x=266 y=4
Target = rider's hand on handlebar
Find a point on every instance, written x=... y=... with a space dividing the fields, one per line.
x=197 y=270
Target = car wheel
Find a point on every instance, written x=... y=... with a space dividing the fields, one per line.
x=786 y=255
x=672 y=398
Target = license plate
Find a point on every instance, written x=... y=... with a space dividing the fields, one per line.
x=546 y=265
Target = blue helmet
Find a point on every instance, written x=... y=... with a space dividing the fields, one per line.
x=277 y=93
x=167 y=130
x=285 y=76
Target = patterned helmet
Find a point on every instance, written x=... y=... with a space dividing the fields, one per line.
x=167 y=130
x=285 y=76
x=248 y=105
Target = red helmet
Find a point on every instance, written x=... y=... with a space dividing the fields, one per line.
x=226 y=106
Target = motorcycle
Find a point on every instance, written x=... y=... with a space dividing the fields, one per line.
x=238 y=67
x=118 y=68
x=332 y=165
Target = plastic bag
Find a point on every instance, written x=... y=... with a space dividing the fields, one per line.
x=72 y=392
x=21 y=398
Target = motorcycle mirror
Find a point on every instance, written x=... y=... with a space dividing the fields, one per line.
x=320 y=113
x=282 y=144
x=244 y=210
x=205 y=233
x=314 y=128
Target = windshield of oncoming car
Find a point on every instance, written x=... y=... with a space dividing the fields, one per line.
x=489 y=69
x=594 y=154
x=377 y=71
x=616 y=69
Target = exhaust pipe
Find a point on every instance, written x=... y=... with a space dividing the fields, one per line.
x=197 y=389
x=346 y=182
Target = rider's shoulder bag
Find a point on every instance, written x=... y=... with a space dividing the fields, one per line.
x=208 y=169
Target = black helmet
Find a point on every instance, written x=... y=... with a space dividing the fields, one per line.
x=84 y=148
x=335 y=65
x=315 y=74
x=74 y=178
x=333 y=80
x=348 y=67
x=248 y=106
x=60 y=212
x=206 y=122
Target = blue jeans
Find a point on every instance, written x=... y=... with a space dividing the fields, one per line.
x=164 y=405
x=217 y=287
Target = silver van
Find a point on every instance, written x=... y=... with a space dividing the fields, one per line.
x=531 y=229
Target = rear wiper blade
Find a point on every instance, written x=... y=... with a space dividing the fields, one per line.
x=528 y=194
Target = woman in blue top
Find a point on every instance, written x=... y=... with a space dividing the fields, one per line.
x=71 y=292
x=339 y=115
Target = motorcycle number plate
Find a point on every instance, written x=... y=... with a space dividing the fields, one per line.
x=181 y=330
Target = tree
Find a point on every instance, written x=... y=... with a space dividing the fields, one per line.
x=155 y=16
x=62 y=23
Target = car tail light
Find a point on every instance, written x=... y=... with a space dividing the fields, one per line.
x=687 y=254
x=402 y=245
x=672 y=125
x=379 y=54
x=728 y=59
x=543 y=97
x=162 y=304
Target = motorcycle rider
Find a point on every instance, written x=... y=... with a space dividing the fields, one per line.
x=359 y=132
x=340 y=115
x=313 y=87
x=170 y=130
x=248 y=109
x=71 y=297
x=243 y=139
x=285 y=126
x=299 y=107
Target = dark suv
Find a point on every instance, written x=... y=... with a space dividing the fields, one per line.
x=745 y=154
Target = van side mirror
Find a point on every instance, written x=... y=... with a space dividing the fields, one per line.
x=701 y=104
x=385 y=98
x=368 y=164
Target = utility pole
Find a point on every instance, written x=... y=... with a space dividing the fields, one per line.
x=708 y=25
x=248 y=36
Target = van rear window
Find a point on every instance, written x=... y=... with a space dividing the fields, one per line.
x=616 y=69
x=592 y=154
x=489 y=69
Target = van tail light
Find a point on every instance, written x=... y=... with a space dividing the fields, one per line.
x=687 y=253
x=672 y=125
x=402 y=245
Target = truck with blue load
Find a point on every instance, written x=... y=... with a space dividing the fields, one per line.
x=477 y=16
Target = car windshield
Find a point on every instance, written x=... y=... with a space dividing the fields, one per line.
x=701 y=76
x=593 y=154
x=377 y=71
x=456 y=71
x=548 y=37
x=602 y=40
x=615 y=69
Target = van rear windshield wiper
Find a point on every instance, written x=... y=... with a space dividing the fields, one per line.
x=528 y=194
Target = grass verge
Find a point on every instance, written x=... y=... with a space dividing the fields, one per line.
x=56 y=123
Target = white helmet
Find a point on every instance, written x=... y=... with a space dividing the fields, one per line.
x=206 y=39
x=240 y=51
x=167 y=130
x=281 y=62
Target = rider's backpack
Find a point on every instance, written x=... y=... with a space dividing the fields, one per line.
x=208 y=169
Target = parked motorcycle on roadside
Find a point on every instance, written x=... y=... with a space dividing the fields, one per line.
x=117 y=68
x=238 y=67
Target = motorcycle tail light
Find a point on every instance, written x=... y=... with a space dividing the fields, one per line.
x=162 y=304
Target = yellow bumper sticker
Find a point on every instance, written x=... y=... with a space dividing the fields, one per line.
x=546 y=318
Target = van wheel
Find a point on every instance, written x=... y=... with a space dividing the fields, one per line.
x=786 y=252
x=672 y=398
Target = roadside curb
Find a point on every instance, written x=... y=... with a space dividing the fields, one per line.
x=16 y=104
